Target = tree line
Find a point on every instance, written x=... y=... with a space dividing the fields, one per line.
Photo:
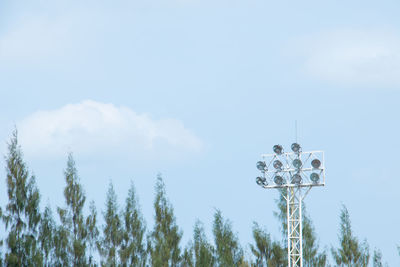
x=71 y=238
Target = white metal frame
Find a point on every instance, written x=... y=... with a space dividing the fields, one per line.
x=295 y=193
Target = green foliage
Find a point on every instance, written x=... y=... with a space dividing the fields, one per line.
x=262 y=250
x=228 y=251
x=92 y=232
x=351 y=252
x=133 y=252
x=187 y=257
x=22 y=215
x=46 y=236
x=265 y=251
x=165 y=238
x=73 y=227
x=203 y=251
x=377 y=259
x=111 y=240
x=311 y=256
x=61 y=243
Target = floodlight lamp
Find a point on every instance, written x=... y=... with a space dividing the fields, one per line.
x=297 y=163
x=278 y=180
x=296 y=147
x=277 y=164
x=296 y=179
x=261 y=165
x=261 y=181
x=278 y=149
x=316 y=163
x=314 y=177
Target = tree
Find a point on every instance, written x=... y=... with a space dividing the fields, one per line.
x=165 y=238
x=228 y=251
x=351 y=252
x=22 y=214
x=187 y=257
x=112 y=232
x=46 y=236
x=203 y=251
x=262 y=250
x=92 y=232
x=266 y=252
x=311 y=256
x=72 y=219
x=61 y=241
x=133 y=252
x=377 y=259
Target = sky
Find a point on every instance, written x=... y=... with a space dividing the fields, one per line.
x=197 y=91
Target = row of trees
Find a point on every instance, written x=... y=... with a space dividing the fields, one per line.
x=37 y=238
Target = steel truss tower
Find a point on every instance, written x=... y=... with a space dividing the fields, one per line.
x=295 y=173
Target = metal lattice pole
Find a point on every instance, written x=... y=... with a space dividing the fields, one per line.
x=290 y=172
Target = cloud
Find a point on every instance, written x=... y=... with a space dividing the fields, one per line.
x=94 y=128
x=354 y=57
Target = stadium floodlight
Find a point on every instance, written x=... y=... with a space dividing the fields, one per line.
x=316 y=163
x=261 y=181
x=261 y=165
x=278 y=180
x=314 y=177
x=296 y=179
x=297 y=163
x=277 y=164
x=296 y=173
x=278 y=149
x=296 y=147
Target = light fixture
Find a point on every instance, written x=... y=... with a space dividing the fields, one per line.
x=316 y=163
x=293 y=172
x=314 y=177
x=296 y=179
x=277 y=164
x=297 y=163
x=261 y=181
x=296 y=147
x=278 y=180
x=278 y=149
x=261 y=165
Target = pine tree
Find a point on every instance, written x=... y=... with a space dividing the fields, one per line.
x=110 y=243
x=187 y=256
x=377 y=258
x=72 y=219
x=266 y=252
x=165 y=238
x=22 y=215
x=61 y=241
x=228 y=251
x=311 y=256
x=262 y=250
x=203 y=251
x=351 y=252
x=46 y=236
x=133 y=252
x=92 y=232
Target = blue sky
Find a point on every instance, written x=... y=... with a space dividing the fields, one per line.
x=197 y=90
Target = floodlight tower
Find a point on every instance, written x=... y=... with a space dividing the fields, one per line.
x=295 y=173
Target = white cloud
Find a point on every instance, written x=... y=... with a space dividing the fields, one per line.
x=93 y=128
x=354 y=57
